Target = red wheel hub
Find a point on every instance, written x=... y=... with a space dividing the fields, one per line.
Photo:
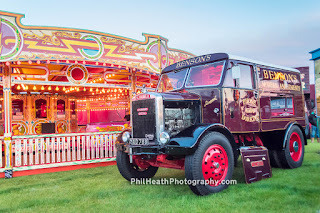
x=215 y=164
x=138 y=161
x=295 y=146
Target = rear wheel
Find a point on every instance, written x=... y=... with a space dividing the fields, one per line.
x=211 y=165
x=292 y=156
x=274 y=159
x=137 y=170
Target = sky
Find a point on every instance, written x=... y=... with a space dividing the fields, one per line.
x=280 y=32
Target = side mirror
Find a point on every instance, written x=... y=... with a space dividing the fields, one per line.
x=235 y=70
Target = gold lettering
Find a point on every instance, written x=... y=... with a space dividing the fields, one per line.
x=272 y=75
x=290 y=77
x=265 y=74
x=210 y=102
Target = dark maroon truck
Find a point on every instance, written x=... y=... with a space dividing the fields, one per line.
x=206 y=112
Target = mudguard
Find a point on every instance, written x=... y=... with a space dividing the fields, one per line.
x=190 y=138
x=287 y=131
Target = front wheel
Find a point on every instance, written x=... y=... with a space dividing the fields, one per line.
x=211 y=165
x=131 y=170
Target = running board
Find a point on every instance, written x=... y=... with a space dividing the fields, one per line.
x=256 y=164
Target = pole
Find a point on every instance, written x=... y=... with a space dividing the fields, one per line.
x=7 y=120
x=159 y=54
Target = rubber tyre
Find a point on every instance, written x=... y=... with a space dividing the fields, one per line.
x=129 y=170
x=274 y=159
x=285 y=158
x=193 y=163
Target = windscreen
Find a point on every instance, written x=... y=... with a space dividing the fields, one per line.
x=172 y=80
x=205 y=75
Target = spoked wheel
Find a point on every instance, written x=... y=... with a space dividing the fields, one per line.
x=139 y=169
x=292 y=156
x=211 y=165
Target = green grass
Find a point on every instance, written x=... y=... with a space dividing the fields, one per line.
x=104 y=190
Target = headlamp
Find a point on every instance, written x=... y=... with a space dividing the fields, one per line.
x=164 y=138
x=125 y=136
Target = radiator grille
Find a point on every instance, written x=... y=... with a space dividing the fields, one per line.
x=144 y=118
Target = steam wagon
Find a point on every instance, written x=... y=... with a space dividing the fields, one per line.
x=206 y=112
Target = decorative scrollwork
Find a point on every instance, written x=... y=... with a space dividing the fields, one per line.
x=46 y=39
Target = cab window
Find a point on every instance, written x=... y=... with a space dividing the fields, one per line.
x=172 y=80
x=205 y=75
x=246 y=77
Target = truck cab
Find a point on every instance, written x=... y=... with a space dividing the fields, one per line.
x=209 y=109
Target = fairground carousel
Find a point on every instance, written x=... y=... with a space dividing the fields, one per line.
x=64 y=91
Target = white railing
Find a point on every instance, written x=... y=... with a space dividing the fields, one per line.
x=61 y=149
x=1 y=149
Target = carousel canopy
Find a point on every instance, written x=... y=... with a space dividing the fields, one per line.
x=77 y=60
x=21 y=43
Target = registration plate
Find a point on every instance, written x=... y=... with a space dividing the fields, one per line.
x=139 y=141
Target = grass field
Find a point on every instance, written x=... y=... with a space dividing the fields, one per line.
x=104 y=190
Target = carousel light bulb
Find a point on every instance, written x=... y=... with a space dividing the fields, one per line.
x=18 y=87
x=57 y=88
x=84 y=89
x=26 y=87
x=49 y=88
x=34 y=87
x=97 y=90
x=78 y=89
x=42 y=88
x=64 y=89
x=103 y=91
x=90 y=89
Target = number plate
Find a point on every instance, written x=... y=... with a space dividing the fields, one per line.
x=139 y=141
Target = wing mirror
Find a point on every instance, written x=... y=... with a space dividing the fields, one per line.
x=235 y=70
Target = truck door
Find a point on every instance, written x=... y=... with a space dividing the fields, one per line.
x=240 y=98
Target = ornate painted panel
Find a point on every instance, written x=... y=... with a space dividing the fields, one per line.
x=23 y=43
